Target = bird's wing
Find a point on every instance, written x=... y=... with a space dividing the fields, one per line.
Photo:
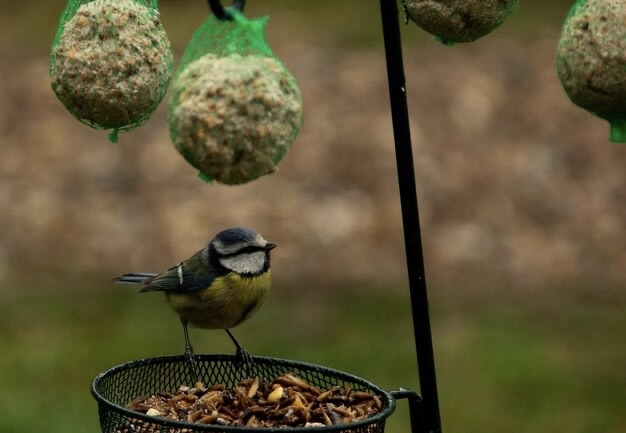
x=186 y=277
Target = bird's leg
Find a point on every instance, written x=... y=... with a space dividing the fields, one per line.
x=241 y=353
x=189 y=351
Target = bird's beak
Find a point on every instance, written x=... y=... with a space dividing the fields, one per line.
x=269 y=246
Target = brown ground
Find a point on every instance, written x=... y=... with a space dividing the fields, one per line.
x=516 y=184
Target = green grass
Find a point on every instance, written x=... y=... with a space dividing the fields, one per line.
x=505 y=364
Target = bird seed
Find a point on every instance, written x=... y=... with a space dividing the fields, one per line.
x=286 y=401
x=459 y=20
x=112 y=64
x=235 y=117
x=591 y=57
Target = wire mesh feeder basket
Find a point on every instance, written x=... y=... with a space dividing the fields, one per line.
x=118 y=386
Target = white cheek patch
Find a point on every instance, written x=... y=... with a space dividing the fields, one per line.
x=251 y=263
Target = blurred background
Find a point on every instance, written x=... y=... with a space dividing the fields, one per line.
x=522 y=201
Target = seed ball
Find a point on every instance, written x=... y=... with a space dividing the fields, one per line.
x=234 y=117
x=112 y=63
x=459 y=20
x=591 y=60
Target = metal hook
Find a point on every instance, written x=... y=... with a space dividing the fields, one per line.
x=219 y=11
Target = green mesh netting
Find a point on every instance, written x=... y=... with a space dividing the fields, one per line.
x=111 y=62
x=235 y=109
x=591 y=61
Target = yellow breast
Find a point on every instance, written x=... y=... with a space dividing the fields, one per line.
x=230 y=300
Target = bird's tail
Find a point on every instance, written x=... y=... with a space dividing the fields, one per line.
x=136 y=278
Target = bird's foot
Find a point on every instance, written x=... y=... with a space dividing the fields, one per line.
x=241 y=354
x=244 y=356
x=191 y=363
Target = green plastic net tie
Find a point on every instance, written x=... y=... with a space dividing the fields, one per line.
x=618 y=132
x=114 y=135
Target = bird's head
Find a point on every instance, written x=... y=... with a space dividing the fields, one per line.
x=241 y=250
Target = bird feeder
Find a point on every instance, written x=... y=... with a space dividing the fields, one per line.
x=114 y=388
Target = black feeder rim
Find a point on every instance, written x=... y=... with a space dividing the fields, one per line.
x=116 y=387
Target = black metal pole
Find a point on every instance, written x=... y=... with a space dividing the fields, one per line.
x=410 y=216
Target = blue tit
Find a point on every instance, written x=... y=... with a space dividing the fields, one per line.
x=218 y=287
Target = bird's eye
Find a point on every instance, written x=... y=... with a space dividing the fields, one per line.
x=246 y=250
